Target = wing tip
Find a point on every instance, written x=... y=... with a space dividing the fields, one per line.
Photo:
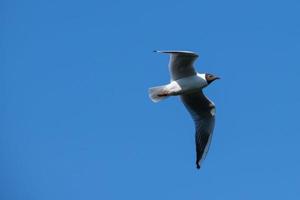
x=177 y=51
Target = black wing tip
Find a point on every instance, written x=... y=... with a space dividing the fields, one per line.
x=177 y=52
x=198 y=166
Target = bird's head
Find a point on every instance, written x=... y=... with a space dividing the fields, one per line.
x=210 y=78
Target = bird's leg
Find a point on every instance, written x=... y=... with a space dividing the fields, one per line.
x=163 y=94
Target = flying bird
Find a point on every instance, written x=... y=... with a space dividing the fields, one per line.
x=188 y=84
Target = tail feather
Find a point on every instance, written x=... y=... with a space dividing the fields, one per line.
x=157 y=94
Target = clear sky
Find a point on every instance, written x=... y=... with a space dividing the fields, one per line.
x=76 y=121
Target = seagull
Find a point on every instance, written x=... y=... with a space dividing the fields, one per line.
x=188 y=84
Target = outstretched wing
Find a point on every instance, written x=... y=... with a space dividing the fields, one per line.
x=181 y=63
x=203 y=113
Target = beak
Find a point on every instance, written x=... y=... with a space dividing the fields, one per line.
x=217 y=78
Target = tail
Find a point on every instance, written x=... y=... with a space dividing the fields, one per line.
x=157 y=94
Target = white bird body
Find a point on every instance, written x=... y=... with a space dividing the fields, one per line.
x=186 y=85
x=181 y=86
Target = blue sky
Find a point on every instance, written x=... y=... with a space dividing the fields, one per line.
x=76 y=121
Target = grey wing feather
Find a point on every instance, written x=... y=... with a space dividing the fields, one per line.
x=203 y=113
x=181 y=63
